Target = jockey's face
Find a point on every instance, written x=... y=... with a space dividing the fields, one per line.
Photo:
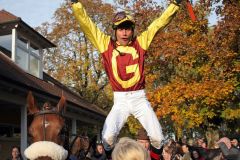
x=124 y=34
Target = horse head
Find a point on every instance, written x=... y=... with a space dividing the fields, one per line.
x=47 y=130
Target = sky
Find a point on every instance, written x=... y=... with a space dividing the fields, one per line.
x=35 y=12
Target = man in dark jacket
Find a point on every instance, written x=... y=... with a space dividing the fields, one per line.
x=235 y=144
x=229 y=152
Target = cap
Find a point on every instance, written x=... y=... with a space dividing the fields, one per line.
x=122 y=17
x=142 y=134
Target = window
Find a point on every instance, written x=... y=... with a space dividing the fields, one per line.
x=22 y=42
x=6 y=42
x=8 y=130
x=28 y=56
x=35 y=61
x=34 y=50
x=22 y=58
x=34 y=66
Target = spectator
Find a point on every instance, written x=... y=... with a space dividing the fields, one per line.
x=128 y=149
x=190 y=142
x=171 y=151
x=235 y=144
x=15 y=154
x=98 y=153
x=144 y=140
x=85 y=142
x=229 y=152
x=204 y=144
x=201 y=142
x=186 y=152
x=196 y=156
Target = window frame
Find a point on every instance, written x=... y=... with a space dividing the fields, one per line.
x=17 y=42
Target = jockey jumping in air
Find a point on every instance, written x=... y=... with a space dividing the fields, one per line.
x=123 y=59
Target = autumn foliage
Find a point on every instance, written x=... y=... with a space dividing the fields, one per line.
x=195 y=70
x=192 y=69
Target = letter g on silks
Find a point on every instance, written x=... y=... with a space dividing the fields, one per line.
x=124 y=65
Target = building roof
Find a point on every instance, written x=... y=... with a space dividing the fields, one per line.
x=9 y=21
x=11 y=73
x=7 y=17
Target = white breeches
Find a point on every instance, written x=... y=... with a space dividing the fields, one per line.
x=131 y=103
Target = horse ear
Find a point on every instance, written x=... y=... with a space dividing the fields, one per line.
x=32 y=108
x=61 y=104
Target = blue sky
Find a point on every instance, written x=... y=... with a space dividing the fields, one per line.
x=35 y=12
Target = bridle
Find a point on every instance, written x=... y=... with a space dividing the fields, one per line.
x=64 y=130
x=44 y=122
x=47 y=128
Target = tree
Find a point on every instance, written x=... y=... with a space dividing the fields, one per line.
x=192 y=70
x=195 y=72
x=75 y=62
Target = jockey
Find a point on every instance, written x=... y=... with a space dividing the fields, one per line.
x=123 y=58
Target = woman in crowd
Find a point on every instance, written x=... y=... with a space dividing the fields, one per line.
x=196 y=156
x=98 y=153
x=15 y=154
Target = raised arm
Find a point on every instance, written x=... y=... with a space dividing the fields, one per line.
x=146 y=37
x=92 y=32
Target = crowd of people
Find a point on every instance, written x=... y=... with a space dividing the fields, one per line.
x=193 y=149
x=140 y=148
x=123 y=55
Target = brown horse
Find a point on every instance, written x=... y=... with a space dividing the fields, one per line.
x=47 y=130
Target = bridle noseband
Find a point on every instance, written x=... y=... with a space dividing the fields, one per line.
x=64 y=131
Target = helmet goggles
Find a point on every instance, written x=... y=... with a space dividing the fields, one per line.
x=121 y=17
